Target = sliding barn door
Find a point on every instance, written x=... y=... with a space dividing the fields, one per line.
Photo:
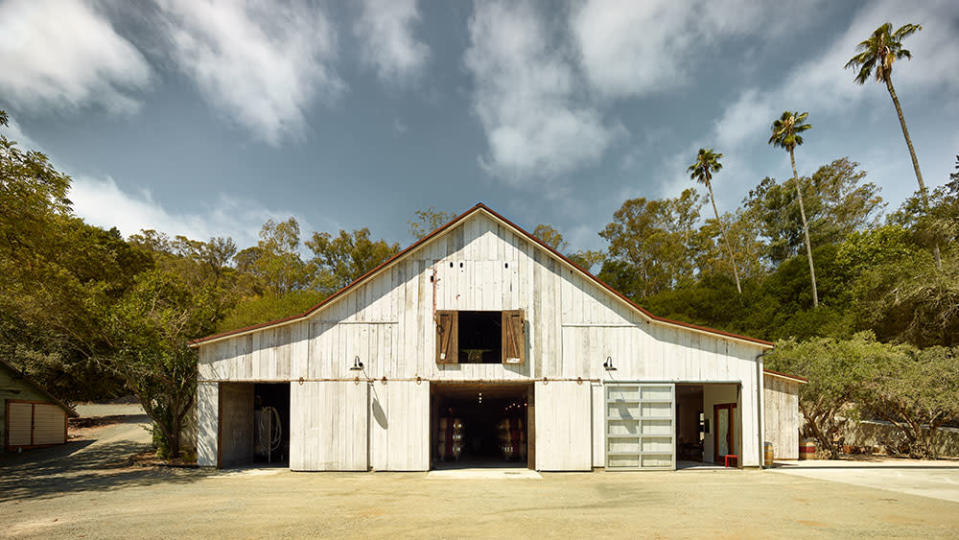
x=562 y=430
x=329 y=426
x=640 y=426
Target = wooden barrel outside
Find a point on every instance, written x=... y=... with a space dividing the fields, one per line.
x=807 y=449
x=768 y=454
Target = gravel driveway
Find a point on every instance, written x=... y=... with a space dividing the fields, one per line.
x=88 y=489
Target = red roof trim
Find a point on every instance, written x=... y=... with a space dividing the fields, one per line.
x=786 y=375
x=437 y=232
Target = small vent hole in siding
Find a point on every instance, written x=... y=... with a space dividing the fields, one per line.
x=461 y=265
x=507 y=265
x=451 y=264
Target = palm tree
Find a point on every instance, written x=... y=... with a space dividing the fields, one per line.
x=876 y=56
x=707 y=162
x=786 y=134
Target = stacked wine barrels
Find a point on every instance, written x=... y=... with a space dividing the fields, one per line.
x=450 y=438
x=512 y=438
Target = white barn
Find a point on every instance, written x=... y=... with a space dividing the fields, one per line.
x=480 y=344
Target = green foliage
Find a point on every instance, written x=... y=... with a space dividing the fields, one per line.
x=427 y=221
x=788 y=129
x=340 y=260
x=275 y=261
x=918 y=392
x=655 y=238
x=707 y=163
x=550 y=236
x=838 y=371
x=270 y=307
x=878 y=52
x=149 y=328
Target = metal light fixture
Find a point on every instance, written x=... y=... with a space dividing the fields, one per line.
x=357 y=365
x=608 y=364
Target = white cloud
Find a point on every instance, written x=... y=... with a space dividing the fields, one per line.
x=385 y=30
x=101 y=202
x=525 y=96
x=261 y=63
x=64 y=54
x=632 y=48
x=820 y=85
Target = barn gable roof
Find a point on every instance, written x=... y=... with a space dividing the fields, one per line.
x=479 y=208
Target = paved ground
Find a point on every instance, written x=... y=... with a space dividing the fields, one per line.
x=937 y=479
x=89 y=490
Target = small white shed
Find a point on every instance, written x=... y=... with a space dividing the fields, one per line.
x=480 y=344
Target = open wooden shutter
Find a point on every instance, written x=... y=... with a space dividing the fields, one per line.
x=447 y=337
x=514 y=337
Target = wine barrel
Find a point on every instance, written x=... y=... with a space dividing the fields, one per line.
x=807 y=449
x=768 y=454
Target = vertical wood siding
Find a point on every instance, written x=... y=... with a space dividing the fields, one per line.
x=563 y=420
x=399 y=426
x=329 y=426
x=781 y=417
x=207 y=420
x=571 y=326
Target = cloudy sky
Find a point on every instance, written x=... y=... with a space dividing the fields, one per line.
x=206 y=118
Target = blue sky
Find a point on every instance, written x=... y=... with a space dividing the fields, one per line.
x=206 y=118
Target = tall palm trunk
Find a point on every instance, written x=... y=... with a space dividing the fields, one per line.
x=915 y=163
x=805 y=230
x=722 y=229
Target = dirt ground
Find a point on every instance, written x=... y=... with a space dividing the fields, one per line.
x=88 y=489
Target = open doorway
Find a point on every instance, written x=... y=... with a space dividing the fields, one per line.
x=481 y=425
x=253 y=427
x=271 y=424
x=708 y=425
x=690 y=425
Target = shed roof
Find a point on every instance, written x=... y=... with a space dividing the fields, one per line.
x=480 y=208
x=18 y=375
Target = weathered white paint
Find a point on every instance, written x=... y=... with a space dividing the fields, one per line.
x=563 y=423
x=328 y=426
x=572 y=326
x=781 y=416
x=399 y=426
x=207 y=423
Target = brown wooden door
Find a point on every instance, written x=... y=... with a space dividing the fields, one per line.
x=724 y=431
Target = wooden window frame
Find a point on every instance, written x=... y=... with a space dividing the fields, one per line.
x=512 y=336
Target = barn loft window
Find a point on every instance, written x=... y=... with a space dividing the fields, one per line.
x=480 y=337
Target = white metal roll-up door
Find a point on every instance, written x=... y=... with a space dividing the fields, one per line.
x=640 y=420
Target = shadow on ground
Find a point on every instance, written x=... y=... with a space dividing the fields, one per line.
x=85 y=466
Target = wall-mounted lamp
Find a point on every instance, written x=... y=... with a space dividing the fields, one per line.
x=357 y=365
x=608 y=364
